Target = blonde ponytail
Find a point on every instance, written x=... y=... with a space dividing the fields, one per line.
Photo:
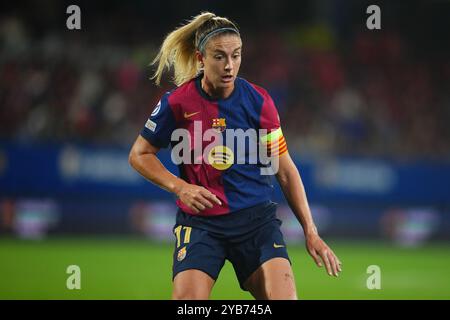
x=178 y=50
x=179 y=47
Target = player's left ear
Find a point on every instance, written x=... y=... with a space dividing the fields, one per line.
x=200 y=58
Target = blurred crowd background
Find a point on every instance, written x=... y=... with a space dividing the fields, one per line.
x=73 y=101
x=341 y=89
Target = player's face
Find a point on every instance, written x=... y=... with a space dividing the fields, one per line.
x=222 y=60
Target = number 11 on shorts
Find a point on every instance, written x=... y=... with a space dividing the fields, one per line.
x=187 y=234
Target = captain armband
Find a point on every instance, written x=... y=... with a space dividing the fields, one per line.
x=275 y=143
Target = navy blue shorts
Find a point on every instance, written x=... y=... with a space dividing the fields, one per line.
x=247 y=238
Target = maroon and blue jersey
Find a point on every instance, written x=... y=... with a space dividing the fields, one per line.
x=239 y=185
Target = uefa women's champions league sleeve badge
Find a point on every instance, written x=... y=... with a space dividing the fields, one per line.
x=156 y=110
x=150 y=124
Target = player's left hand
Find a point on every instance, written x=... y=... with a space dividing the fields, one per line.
x=319 y=250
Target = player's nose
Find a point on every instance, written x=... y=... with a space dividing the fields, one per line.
x=229 y=64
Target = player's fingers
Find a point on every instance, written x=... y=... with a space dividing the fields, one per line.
x=194 y=208
x=200 y=198
x=198 y=205
x=333 y=263
x=211 y=196
x=315 y=257
x=339 y=263
x=324 y=256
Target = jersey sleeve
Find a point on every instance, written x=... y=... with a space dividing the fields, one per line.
x=159 y=127
x=270 y=120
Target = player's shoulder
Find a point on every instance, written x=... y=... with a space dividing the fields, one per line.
x=182 y=98
x=254 y=90
x=182 y=93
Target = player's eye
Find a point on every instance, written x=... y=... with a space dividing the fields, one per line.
x=218 y=57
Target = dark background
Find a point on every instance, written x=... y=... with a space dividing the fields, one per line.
x=365 y=112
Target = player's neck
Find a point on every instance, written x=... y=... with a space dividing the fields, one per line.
x=216 y=93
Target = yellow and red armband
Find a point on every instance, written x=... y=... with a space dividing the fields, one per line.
x=275 y=143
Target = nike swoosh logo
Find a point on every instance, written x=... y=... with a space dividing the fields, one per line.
x=188 y=115
x=276 y=246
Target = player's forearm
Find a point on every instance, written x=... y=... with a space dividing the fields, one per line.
x=149 y=166
x=294 y=191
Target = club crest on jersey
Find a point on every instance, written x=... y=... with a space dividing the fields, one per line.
x=181 y=254
x=219 y=124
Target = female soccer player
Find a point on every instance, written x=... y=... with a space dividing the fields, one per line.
x=225 y=211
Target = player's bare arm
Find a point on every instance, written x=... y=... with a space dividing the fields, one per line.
x=143 y=158
x=294 y=191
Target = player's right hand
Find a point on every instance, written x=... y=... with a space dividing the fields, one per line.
x=197 y=198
